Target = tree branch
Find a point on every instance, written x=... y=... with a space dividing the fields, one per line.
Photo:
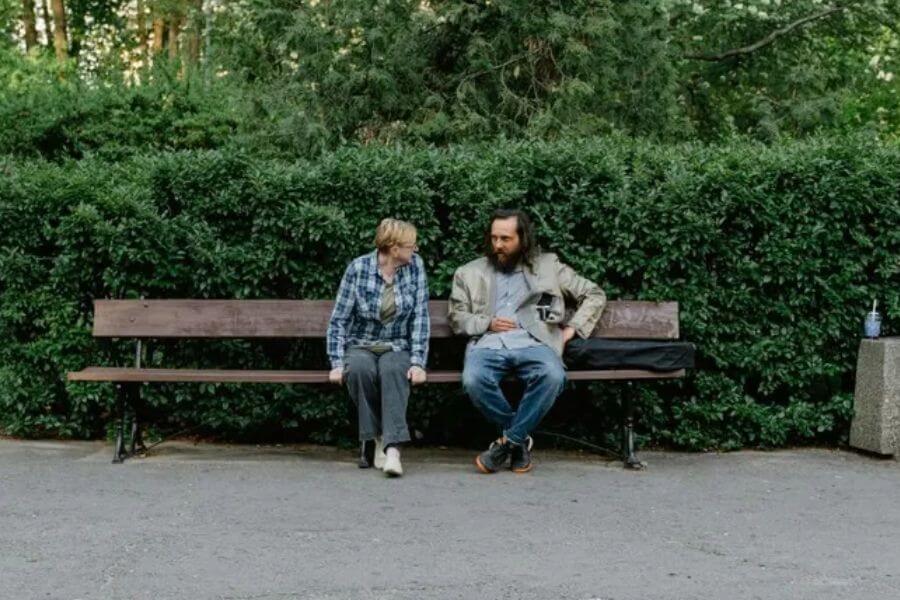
x=725 y=55
x=892 y=25
x=494 y=68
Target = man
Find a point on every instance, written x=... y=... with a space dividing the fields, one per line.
x=511 y=302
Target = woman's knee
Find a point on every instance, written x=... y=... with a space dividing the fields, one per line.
x=361 y=369
x=394 y=364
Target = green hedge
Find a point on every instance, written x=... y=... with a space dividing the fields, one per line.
x=774 y=254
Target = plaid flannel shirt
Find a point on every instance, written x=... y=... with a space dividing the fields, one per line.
x=355 y=319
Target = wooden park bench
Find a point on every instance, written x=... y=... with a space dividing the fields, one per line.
x=149 y=320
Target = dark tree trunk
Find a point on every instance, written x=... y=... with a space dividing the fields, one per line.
x=28 y=19
x=60 y=39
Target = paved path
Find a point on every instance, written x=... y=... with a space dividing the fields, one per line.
x=233 y=522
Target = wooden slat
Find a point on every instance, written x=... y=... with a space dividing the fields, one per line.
x=210 y=318
x=309 y=319
x=440 y=326
x=604 y=375
x=623 y=374
x=226 y=318
x=238 y=376
x=197 y=375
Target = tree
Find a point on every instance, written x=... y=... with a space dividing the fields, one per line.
x=28 y=20
x=60 y=38
x=769 y=68
x=195 y=33
x=140 y=25
x=314 y=75
x=48 y=25
x=159 y=30
x=174 y=30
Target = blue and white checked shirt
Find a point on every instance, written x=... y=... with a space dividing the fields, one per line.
x=355 y=319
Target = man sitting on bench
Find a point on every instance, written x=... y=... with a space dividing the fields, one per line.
x=511 y=302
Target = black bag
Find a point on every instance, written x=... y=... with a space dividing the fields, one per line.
x=651 y=355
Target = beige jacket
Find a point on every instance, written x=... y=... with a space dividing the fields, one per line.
x=472 y=300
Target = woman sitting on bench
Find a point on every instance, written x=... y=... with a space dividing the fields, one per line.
x=377 y=340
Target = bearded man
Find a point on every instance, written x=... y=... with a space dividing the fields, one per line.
x=512 y=304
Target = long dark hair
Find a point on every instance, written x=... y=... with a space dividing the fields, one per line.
x=529 y=248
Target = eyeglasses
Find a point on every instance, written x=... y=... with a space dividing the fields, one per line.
x=413 y=247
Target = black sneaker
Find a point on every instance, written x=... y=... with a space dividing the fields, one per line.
x=520 y=460
x=495 y=457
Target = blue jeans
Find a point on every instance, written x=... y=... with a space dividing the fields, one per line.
x=539 y=368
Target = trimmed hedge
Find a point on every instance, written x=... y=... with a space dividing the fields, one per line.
x=774 y=253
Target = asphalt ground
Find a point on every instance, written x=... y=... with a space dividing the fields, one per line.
x=272 y=523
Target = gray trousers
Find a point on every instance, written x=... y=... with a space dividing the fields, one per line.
x=380 y=390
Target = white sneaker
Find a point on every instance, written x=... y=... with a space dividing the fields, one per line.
x=379 y=453
x=392 y=466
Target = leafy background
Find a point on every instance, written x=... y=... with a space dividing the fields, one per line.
x=737 y=156
x=773 y=252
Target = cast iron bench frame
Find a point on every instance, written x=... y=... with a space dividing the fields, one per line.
x=149 y=320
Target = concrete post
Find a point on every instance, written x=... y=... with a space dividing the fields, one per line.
x=876 y=399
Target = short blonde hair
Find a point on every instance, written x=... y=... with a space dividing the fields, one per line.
x=393 y=232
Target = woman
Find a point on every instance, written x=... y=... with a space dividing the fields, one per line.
x=378 y=340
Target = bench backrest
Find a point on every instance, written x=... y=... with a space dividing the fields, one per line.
x=309 y=319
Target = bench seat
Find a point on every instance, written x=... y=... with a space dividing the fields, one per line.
x=125 y=374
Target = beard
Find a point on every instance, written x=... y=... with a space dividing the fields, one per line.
x=510 y=264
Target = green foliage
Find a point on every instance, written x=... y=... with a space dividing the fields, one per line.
x=57 y=119
x=774 y=254
x=294 y=79
x=450 y=71
x=829 y=73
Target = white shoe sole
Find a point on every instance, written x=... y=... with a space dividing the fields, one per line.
x=393 y=470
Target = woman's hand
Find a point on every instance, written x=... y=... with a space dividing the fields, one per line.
x=568 y=334
x=416 y=375
x=336 y=376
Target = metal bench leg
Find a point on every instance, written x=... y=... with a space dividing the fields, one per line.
x=630 y=459
x=137 y=438
x=366 y=454
x=119 y=453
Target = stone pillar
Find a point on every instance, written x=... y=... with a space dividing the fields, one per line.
x=876 y=399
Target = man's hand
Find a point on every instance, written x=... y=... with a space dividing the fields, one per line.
x=568 y=334
x=501 y=324
x=416 y=375
x=336 y=376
